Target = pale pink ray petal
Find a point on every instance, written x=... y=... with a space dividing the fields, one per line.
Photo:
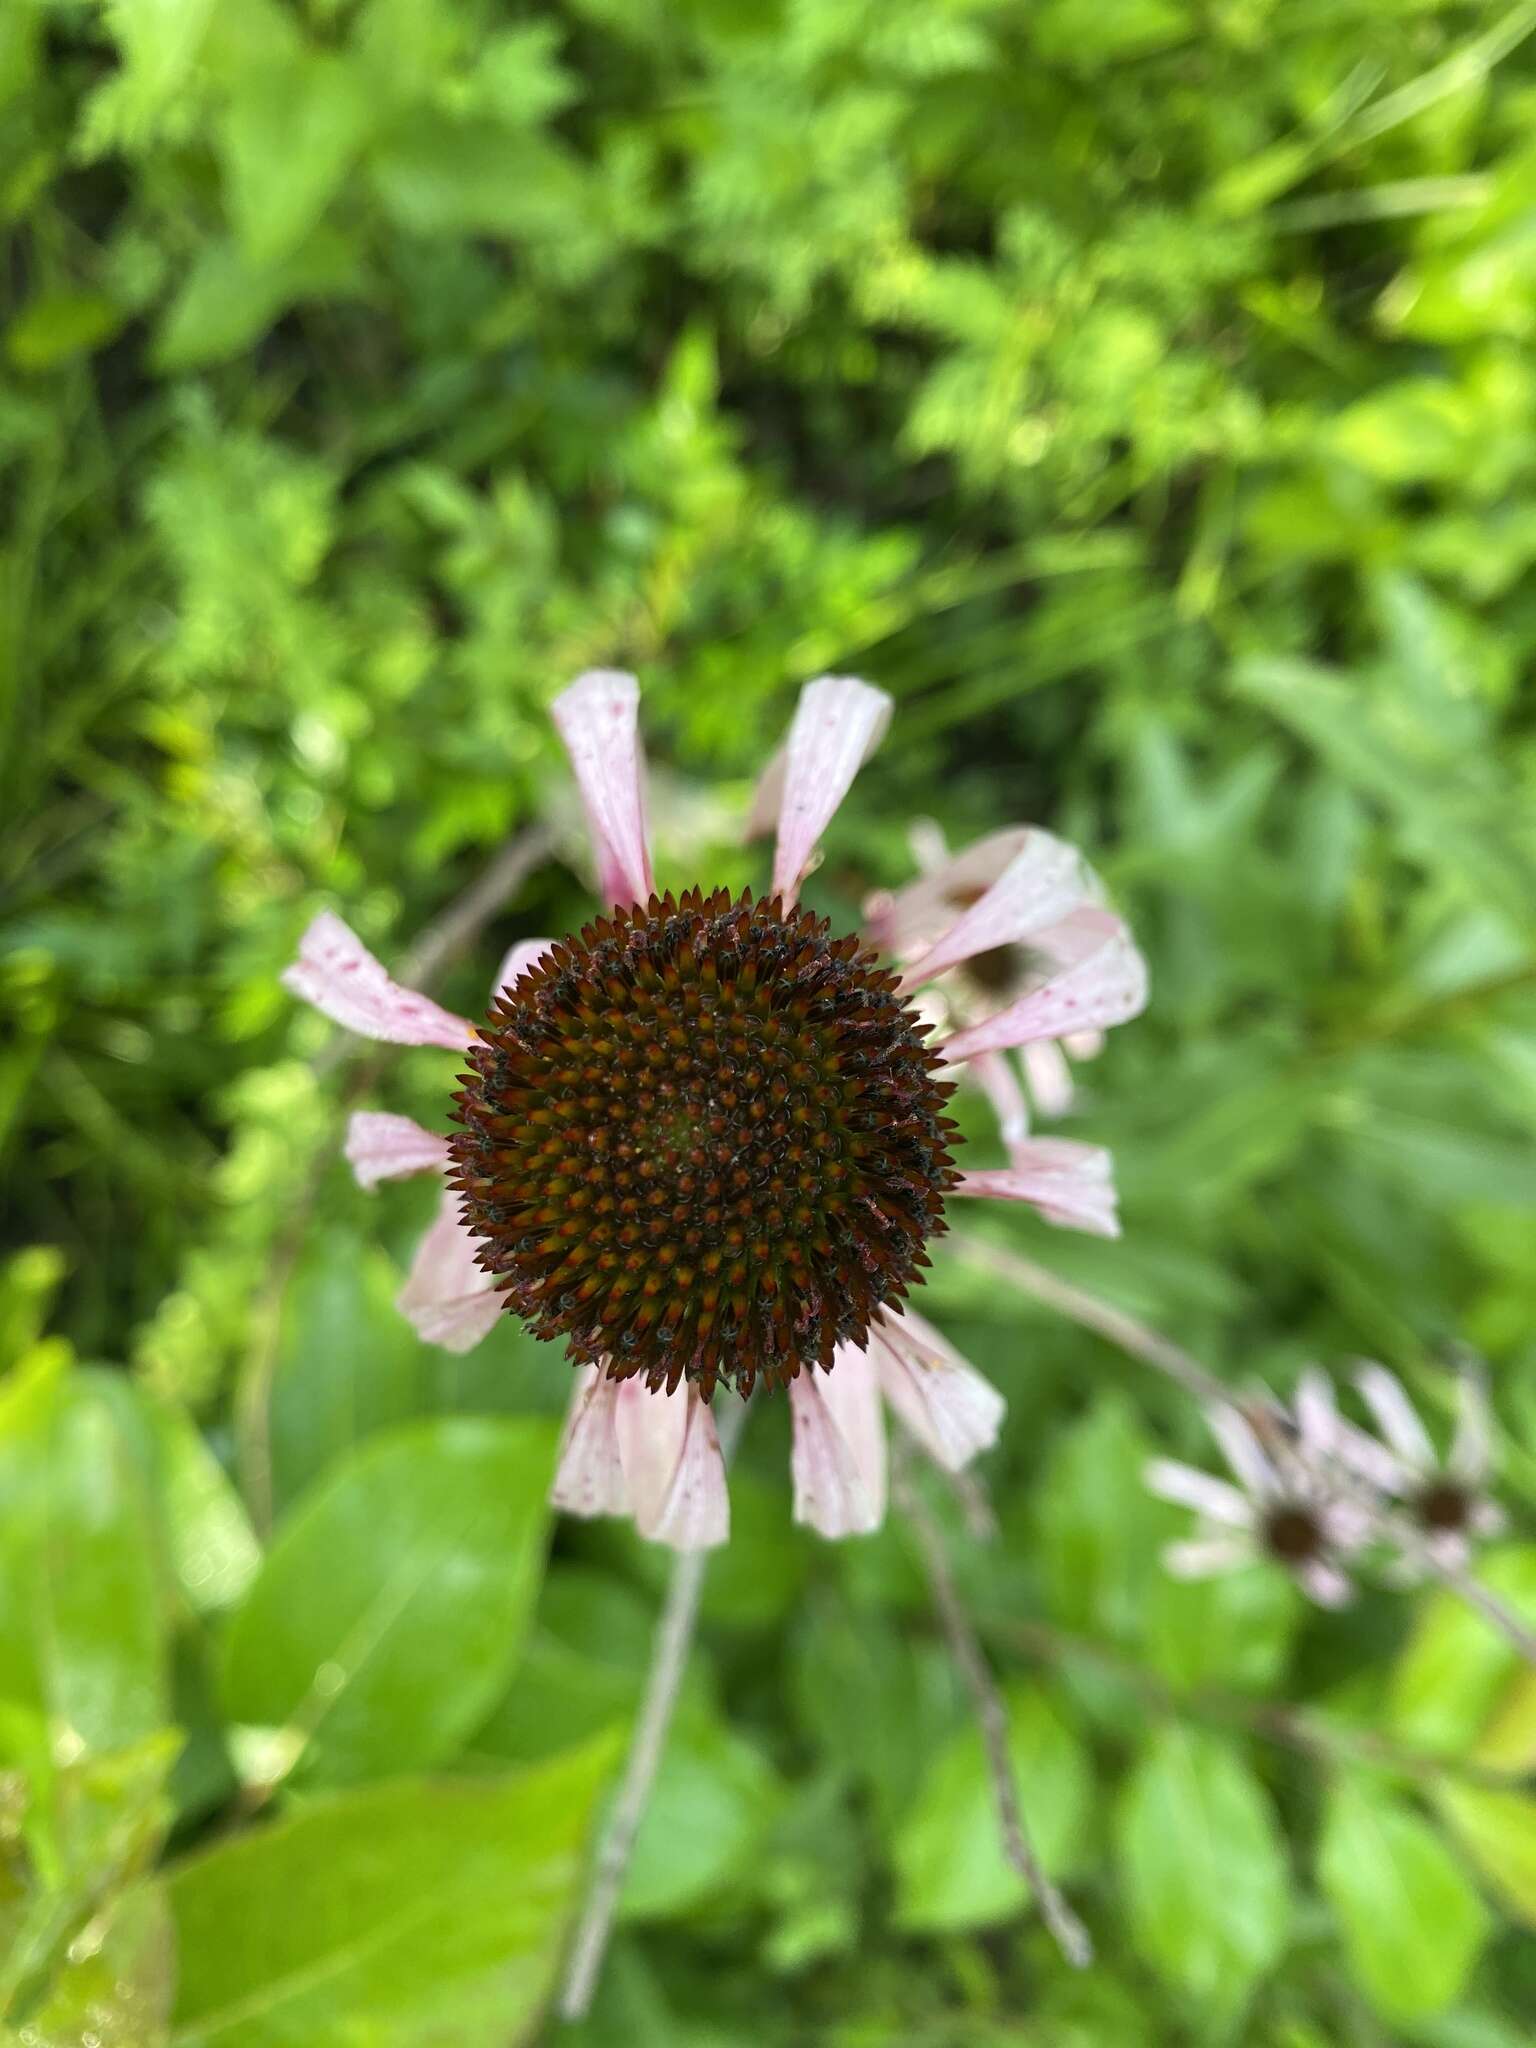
x=517 y=960
x=1324 y=1583
x=1188 y=1487
x=598 y=719
x=838 y=723
x=837 y=1460
x=995 y=1072
x=1071 y=1184
x=945 y=1403
x=1243 y=1451
x=672 y=1466
x=1325 y=1433
x=1487 y=1518
x=1045 y=882
x=589 y=1479
x=1472 y=1447
x=380 y=1146
x=1104 y=983
x=1206 y=1557
x=336 y=972
x=1396 y=1416
x=906 y=922
x=447 y=1298
x=1049 y=1074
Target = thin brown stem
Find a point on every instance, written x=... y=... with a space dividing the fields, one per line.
x=1134 y=1337
x=991 y=1715
x=669 y=1660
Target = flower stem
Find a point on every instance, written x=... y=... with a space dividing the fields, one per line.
x=1139 y=1341
x=1071 y=1937
x=669 y=1660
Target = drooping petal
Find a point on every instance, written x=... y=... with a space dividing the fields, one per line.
x=1206 y=1557
x=838 y=723
x=673 y=1469
x=906 y=923
x=1103 y=983
x=1324 y=1583
x=1048 y=1072
x=1396 y=1416
x=837 y=1461
x=598 y=718
x=945 y=1403
x=589 y=1479
x=1188 y=1487
x=1471 y=1456
x=336 y=972
x=447 y=1298
x=384 y=1147
x=1243 y=1451
x=1069 y=1183
x=1045 y=882
x=1325 y=1434
x=995 y=1072
x=517 y=960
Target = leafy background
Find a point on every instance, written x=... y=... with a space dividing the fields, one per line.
x=1141 y=391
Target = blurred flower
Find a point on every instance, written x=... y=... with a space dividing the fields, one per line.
x=907 y=923
x=702 y=1140
x=1283 y=1509
x=1447 y=1497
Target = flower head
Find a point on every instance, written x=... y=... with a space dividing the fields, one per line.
x=1282 y=1509
x=1446 y=1497
x=702 y=1141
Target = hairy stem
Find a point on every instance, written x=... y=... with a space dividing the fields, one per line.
x=669 y=1660
x=991 y=1715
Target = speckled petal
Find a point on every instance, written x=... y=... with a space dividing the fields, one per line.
x=837 y=1461
x=381 y=1146
x=446 y=1297
x=944 y=1402
x=838 y=723
x=598 y=718
x=336 y=972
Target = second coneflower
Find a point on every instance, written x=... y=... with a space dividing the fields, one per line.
x=703 y=1141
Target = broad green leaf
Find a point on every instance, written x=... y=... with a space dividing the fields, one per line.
x=80 y=1613
x=393 y=1604
x=1203 y=1867
x=582 y=1669
x=950 y=1869
x=1231 y=1630
x=1450 y=1677
x=56 y=326
x=1100 y=1529
x=416 y=1912
x=1508 y=1739
x=226 y=302
x=873 y=1704
x=115 y=1986
x=714 y=1799
x=213 y=1548
x=1498 y=1831
x=348 y=1362
x=288 y=139
x=1412 y=1923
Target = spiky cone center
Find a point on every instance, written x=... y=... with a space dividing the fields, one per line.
x=703 y=1140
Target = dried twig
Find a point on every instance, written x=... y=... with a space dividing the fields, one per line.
x=669 y=1659
x=1138 y=1341
x=992 y=1716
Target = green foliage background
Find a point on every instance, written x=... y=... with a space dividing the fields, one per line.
x=1141 y=391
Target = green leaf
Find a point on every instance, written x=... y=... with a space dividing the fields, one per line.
x=115 y=1987
x=213 y=1549
x=289 y=136
x=1232 y=1630
x=348 y=1363
x=392 y=1606
x=874 y=1706
x=1449 y=1678
x=421 y=1911
x=80 y=1612
x=1100 y=1529
x=56 y=326
x=1412 y=1923
x=226 y=302
x=1203 y=1867
x=950 y=1869
x=1498 y=1831
x=715 y=1797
